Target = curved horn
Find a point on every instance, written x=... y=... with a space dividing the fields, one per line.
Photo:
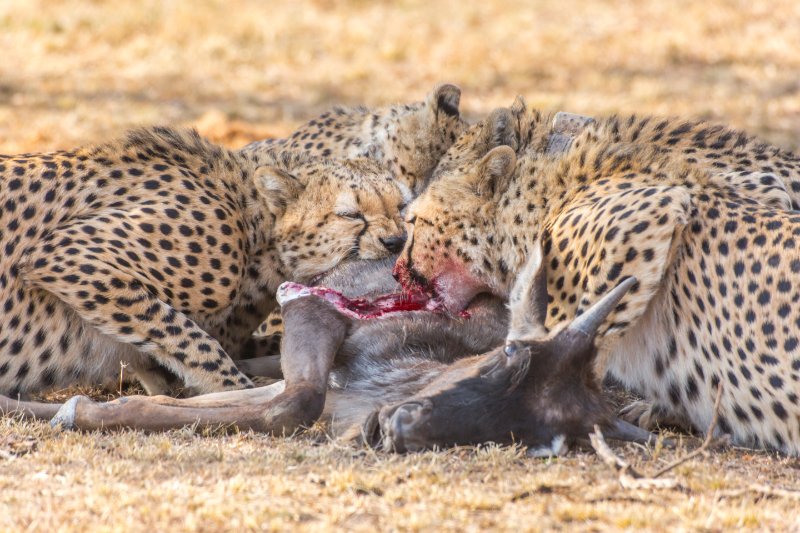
x=528 y=301
x=588 y=322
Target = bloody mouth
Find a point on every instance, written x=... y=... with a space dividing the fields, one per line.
x=365 y=308
x=410 y=283
x=453 y=288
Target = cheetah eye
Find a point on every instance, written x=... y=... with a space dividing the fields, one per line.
x=350 y=215
x=411 y=220
x=401 y=206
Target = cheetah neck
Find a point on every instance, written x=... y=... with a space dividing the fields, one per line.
x=264 y=266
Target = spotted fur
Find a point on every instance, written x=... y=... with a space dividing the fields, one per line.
x=717 y=266
x=730 y=156
x=163 y=247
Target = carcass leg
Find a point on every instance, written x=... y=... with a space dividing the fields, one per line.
x=314 y=330
x=27 y=410
x=267 y=366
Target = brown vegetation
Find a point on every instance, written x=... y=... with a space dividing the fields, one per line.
x=78 y=71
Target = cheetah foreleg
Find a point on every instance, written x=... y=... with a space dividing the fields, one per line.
x=118 y=303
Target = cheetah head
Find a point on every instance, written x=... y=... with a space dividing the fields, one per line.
x=325 y=212
x=454 y=234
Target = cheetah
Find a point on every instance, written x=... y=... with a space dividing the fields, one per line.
x=717 y=269
x=406 y=139
x=161 y=246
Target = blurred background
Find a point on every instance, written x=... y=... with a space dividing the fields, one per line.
x=74 y=72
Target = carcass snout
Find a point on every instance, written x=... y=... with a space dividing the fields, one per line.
x=402 y=426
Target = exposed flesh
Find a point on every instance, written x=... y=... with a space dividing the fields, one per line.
x=365 y=308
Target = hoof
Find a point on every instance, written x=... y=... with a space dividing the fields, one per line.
x=557 y=447
x=65 y=417
x=293 y=409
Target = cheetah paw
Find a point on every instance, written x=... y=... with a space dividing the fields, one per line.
x=640 y=413
x=651 y=416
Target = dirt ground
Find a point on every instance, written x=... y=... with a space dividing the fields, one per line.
x=75 y=72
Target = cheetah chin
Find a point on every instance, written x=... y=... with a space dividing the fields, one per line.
x=456 y=290
x=454 y=287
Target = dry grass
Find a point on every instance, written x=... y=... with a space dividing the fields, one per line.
x=184 y=481
x=76 y=72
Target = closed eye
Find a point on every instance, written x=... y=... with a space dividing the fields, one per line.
x=417 y=219
x=351 y=215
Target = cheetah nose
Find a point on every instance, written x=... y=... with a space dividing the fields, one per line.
x=394 y=244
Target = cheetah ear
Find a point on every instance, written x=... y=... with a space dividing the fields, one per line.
x=499 y=129
x=445 y=98
x=278 y=188
x=495 y=171
x=372 y=151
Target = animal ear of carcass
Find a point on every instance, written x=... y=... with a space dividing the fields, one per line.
x=528 y=299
